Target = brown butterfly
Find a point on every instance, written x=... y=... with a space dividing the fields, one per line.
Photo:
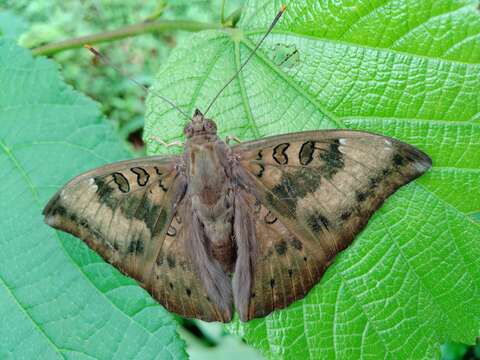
x=254 y=225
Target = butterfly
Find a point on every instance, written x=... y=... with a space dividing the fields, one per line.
x=252 y=226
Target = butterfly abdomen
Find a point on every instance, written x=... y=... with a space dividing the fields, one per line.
x=211 y=191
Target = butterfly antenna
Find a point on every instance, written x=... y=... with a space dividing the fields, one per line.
x=279 y=15
x=107 y=61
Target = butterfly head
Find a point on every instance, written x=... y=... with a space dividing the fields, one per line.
x=200 y=125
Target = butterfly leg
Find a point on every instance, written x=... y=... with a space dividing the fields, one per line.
x=229 y=138
x=167 y=145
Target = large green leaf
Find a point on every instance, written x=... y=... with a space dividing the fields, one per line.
x=57 y=298
x=405 y=68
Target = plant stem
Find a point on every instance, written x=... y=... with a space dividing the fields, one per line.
x=123 y=32
x=222 y=14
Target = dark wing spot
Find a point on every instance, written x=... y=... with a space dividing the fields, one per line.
x=189 y=292
x=333 y=160
x=60 y=210
x=305 y=259
x=281 y=247
x=143 y=209
x=272 y=283
x=171 y=261
x=105 y=192
x=142 y=175
x=398 y=160
x=297 y=244
x=317 y=222
x=171 y=286
x=283 y=194
x=280 y=155
x=305 y=156
x=292 y=187
x=160 y=184
x=160 y=180
x=261 y=166
x=136 y=246
x=375 y=181
x=253 y=295
x=121 y=181
x=290 y=272
x=151 y=216
x=345 y=215
x=362 y=195
x=270 y=218
x=261 y=169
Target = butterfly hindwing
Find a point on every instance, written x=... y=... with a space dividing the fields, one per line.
x=177 y=284
x=285 y=267
x=317 y=191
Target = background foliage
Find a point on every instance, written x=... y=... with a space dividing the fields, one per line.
x=139 y=56
x=408 y=69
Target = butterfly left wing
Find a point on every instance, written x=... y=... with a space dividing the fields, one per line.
x=314 y=192
x=121 y=210
x=133 y=213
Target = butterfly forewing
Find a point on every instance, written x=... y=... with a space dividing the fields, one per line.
x=317 y=191
x=121 y=210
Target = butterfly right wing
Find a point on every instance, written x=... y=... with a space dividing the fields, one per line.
x=315 y=192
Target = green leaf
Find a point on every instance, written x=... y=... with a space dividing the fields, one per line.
x=58 y=299
x=11 y=26
x=408 y=69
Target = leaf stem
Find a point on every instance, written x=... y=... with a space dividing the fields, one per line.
x=222 y=13
x=233 y=18
x=123 y=32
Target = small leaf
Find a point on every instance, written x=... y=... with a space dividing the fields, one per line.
x=58 y=299
x=408 y=69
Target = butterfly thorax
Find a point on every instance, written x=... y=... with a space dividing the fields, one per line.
x=210 y=189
